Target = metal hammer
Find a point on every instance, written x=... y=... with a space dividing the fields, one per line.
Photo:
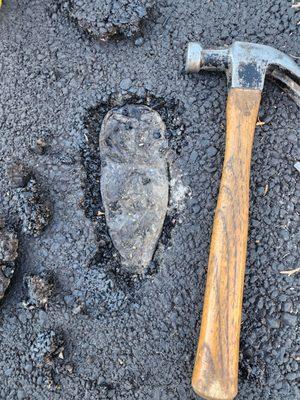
x=215 y=373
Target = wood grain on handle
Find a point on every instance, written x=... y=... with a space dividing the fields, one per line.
x=215 y=373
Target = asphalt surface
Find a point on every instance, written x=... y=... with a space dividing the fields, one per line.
x=86 y=330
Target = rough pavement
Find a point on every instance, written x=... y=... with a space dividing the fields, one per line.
x=125 y=338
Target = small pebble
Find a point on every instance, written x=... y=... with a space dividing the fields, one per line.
x=125 y=84
x=211 y=151
x=157 y=135
x=21 y=394
x=297 y=166
x=273 y=323
x=139 y=42
x=290 y=319
x=40 y=147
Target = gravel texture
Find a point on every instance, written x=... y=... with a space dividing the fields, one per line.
x=128 y=338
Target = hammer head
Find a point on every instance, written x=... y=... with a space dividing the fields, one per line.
x=246 y=64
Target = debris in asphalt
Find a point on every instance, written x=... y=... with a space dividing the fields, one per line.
x=295 y=4
x=134 y=182
x=260 y=123
x=291 y=272
x=69 y=368
x=39 y=290
x=297 y=166
x=39 y=147
x=8 y=246
x=18 y=174
x=266 y=189
x=179 y=193
x=45 y=348
x=33 y=209
x=8 y=255
x=106 y=18
x=79 y=308
x=4 y=283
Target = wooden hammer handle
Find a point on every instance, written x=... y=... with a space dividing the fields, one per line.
x=215 y=373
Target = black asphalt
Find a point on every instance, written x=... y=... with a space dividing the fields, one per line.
x=103 y=334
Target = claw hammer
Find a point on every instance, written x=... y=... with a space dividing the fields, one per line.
x=215 y=374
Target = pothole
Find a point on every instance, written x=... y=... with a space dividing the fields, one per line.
x=109 y=288
x=107 y=257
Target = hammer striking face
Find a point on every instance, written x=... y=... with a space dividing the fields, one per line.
x=215 y=373
x=246 y=65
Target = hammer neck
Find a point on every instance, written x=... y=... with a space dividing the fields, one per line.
x=215 y=59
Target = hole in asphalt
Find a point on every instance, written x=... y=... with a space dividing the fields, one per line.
x=107 y=257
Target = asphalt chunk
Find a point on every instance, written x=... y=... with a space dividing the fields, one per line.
x=45 y=348
x=18 y=174
x=33 y=209
x=106 y=18
x=134 y=181
x=39 y=290
x=8 y=254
